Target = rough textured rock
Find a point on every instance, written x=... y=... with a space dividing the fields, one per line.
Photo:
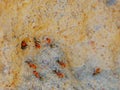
x=70 y=44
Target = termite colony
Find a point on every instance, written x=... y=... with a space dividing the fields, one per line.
x=49 y=63
x=49 y=67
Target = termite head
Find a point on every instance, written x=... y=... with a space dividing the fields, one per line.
x=23 y=45
x=55 y=71
x=27 y=62
x=35 y=39
x=57 y=60
x=53 y=45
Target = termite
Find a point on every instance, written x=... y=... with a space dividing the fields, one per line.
x=23 y=45
x=37 y=43
x=31 y=65
x=58 y=73
x=61 y=63
x=97 y=71
x=48 y=40
x=37 y=75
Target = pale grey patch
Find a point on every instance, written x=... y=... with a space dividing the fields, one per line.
x=105 y=80
x=111 y=2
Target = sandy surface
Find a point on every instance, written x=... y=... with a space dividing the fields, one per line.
x=84 y=34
